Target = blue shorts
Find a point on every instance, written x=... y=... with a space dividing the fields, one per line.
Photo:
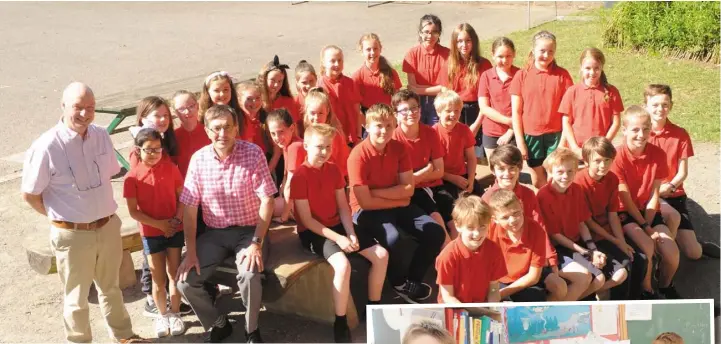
x=156 y=244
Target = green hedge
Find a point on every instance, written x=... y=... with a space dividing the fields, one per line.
x=687 y=30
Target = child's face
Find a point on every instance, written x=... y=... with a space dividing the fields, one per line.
x=449 y=116
x=658 y=106
x=219 y=91
x=598 y=166
x=380 y=132
x=506 y=175
x=222 y=132
x=429 y=35
x=425 y=339
x=408 y=113
x=305 y=81
x=503 y=57
x=186 y=108
x=280 y=133
x=274 y=82
x=250 y=101
x=371 y=51
x=591 y=71
x=159 y=119
x=473 y=236
x=316 y=112
x=464 y=44
x=636 y=131
x=543 y=51
x=563 y=174
x=509 y=218
x=151 y=152
x=319 y=149
x=333 y=63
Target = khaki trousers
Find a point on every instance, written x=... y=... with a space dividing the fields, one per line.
x=84 y=257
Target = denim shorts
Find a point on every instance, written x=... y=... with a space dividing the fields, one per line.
x=156 y=244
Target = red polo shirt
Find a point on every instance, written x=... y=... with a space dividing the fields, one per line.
x=294 y=154
x=369 y=86
x=467 y=93
x=423 y=149
x=344 y=100
x=529 y=251
x=601 y=195
x=541 y=92
x=154 y=188
x=455 y=143
x=253 y=132
x=289 y=104
x=339 y=153
x=425 y=65
x=318 y=186
x=590 y=109
x=639 y=172
x=188 y=143
x=499 y=97
x=676 y=142
x=469 y=272
x=563 y=212
x=377 y=170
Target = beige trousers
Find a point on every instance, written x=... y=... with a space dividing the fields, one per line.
x=84 y=257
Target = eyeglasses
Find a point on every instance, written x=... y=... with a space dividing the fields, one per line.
x=430 y=33
x=85 y=187
x=216 y=130
x=186 y=109
x=409 y=111
x=152 y=150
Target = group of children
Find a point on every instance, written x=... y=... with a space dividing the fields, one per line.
x=360 y=163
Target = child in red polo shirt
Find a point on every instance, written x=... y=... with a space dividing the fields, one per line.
x=641 y=168
x=325 y=226
x=190 y=135
x=423 y=65
x=494 y=96
x=564 y=210
x=319 y=111
x=523 y=243
x=219 y=89
x=344 y=95
x=154 y=112
x=462 y=74
x=152 y=189
x=305 y=79
x=591 y=107
x=381 y=181
x=676 y=142
x=275 y=90
x=600 y=189
x=536 y=93
x=282 y=130
x=459 y=158
x=376 y=80
x=426 y=151
x=470 y=266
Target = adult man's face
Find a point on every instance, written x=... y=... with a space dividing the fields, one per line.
x=222 y=131
x=78 y=107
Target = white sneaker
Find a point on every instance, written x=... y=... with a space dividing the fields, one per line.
x=162 y=327
x=176 y=324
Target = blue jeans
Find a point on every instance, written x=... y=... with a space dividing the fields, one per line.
x=428 y=110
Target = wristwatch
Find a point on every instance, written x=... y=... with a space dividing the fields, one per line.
x=673 y=187
x=257 y=240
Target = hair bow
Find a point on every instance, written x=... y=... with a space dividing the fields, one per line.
x=277 y=65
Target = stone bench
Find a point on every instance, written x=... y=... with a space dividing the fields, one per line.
x=41 y=258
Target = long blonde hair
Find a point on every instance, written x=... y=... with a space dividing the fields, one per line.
x=317 y=95
x=386 y=82
x=455 y=60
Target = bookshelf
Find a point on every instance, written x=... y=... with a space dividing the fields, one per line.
x=476 y=325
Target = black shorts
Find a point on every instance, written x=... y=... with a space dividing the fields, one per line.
x=454 y=191
x=534 y=293
x=615 y=258
x=626 y=218
x=157 y=244
x=491 y=142
x=325 y=247
x=469 y=114
x=679 y=203
x=567 y=256
x=434 y=199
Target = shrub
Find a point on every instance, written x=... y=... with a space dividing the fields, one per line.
x=688 y=30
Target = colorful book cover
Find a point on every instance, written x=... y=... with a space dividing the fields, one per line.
x=476 y=330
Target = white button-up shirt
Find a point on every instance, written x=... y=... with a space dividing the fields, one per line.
x=72 y=174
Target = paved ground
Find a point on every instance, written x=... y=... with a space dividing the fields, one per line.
x=116 y=47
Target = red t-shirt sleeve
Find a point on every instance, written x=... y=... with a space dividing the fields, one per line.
x=686 y=149
x=517 y=83
x=296 y=156
x=616 y=100
x=483 y=90
x=500 y=269
x=551 y=254
x=566 y=106
x=434 y=140
x=356 y=170
x=299 y=186
x=445 y=267
x=397 y=84
x=616 y=166
x=404 y=159
x=130 y=186
x=409 y=62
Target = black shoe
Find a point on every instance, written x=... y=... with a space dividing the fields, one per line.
x=646 y=295
x=185 y=309
x=710 y=249
x=670 y=293
x=217 y=334
x=254 y=337
x=150 y=311
x=341 y=332
x=413 y=292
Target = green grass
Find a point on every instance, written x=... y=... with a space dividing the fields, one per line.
x=695 y=86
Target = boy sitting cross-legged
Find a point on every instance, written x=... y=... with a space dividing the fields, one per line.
x=470 y=266
x=325 y=225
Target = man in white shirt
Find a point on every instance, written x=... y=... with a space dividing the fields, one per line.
x=66 y=177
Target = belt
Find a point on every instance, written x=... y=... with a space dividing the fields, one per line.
x=82 y=226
